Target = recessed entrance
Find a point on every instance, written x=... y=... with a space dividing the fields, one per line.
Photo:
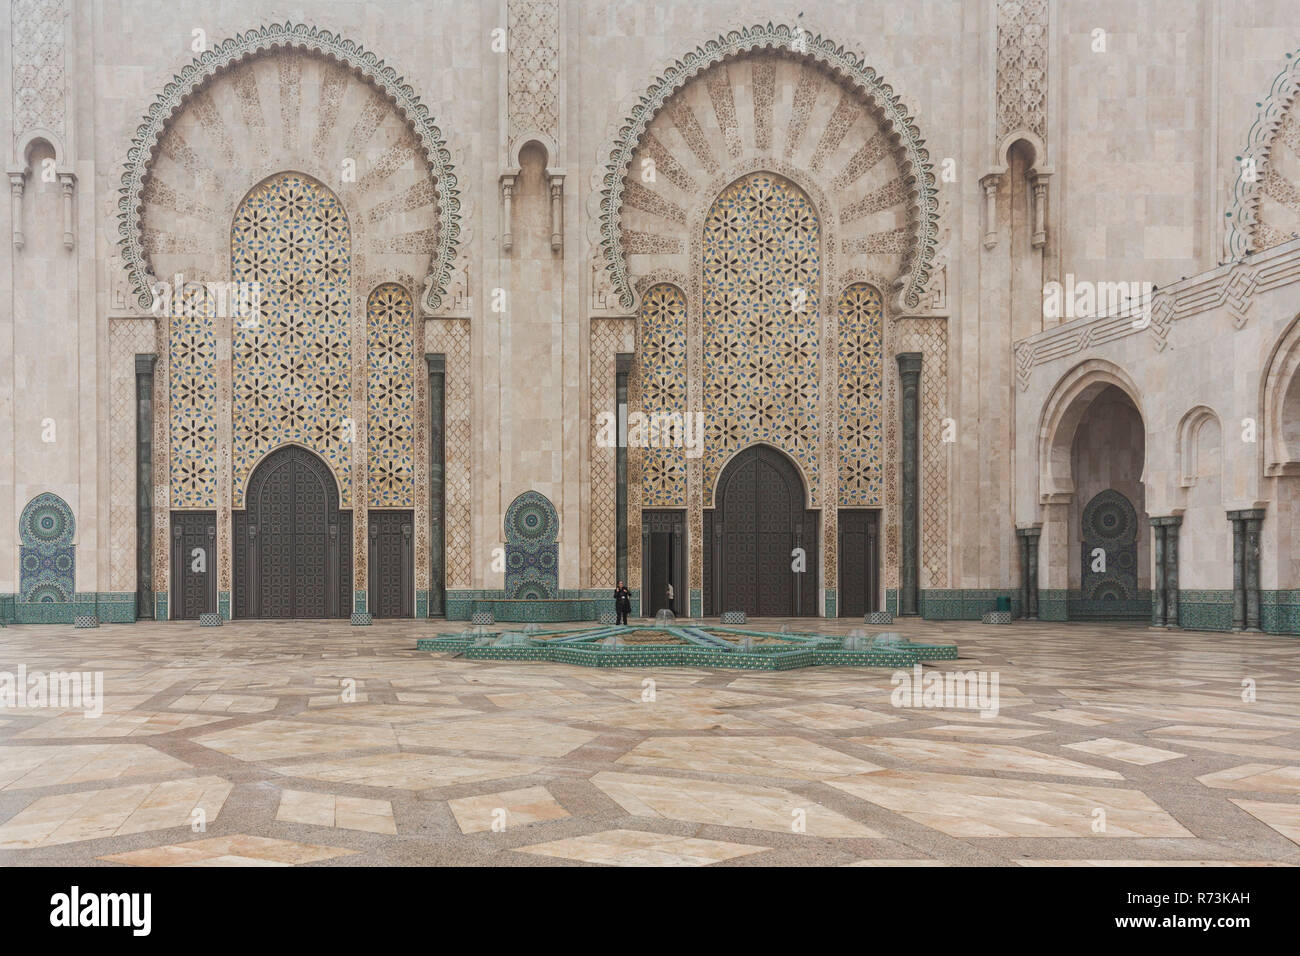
x=663 y=562
x=293 y=544
x=751 y=536
x=859 y=561
x=391 y=557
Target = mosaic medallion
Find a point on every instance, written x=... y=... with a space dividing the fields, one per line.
x=1109 y=533
x=47 y=557
x=532 y=555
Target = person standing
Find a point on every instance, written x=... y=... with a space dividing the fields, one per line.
x=671 y=607
x=622 y=602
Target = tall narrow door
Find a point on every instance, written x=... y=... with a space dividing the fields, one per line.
x=859 y=562
x=391 y=556
x=663 y=562
x=194 y=564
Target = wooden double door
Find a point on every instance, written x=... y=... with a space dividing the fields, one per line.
x=761 y=553
x=292 y=543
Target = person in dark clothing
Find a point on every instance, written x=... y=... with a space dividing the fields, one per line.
x=622 y=602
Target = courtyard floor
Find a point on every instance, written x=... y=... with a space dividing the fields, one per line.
x=1112 y=744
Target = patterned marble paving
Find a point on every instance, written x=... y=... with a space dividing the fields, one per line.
x=320 y=744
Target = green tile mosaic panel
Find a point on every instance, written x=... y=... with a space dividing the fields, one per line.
x=700 y=647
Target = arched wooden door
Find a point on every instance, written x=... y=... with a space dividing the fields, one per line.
x=293 y=544
x=758 y=521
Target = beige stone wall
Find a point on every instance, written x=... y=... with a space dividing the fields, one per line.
x=1132 y=150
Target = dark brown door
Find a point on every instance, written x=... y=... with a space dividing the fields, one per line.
x=292 y=544
x=391 y=552
x=194 y=564
x=663 y=562
x=763 y=541
x=859 y=562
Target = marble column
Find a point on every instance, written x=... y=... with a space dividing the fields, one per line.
x=909 y=374
x=1029 y=571
x=1158 y=585
x=1172 y=525
x=1252 y=524
x=144 y=366
x=1245 y=568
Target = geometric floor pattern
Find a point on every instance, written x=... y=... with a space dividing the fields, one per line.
x=321 y=744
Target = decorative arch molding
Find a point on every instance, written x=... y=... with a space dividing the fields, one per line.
x=895 y=121
x=233 y=52
x=257 y=474
x=1188 y=442
x=1064 y=409
x=1032 y=140
x=1258 y=164
x=1281 y=400
x=794 y=470
x=23 y=150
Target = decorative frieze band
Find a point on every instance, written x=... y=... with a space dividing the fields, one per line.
x=1231 y=287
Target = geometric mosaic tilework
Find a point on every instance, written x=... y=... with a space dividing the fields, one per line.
x=1109 y=525
x=662 y=360
x=293 y=364
x=391 y=390
x=609 y=338
x=47 y=556
x=451 y=338
x=929 y=336
x=193 y=351
x=532 y=555
x=861 y=397
x=762 y=282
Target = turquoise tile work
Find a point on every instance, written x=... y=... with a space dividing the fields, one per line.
x=957 y=604
x=1208 y=610
x=1127 y=609
x=1279 y=611
x=1053 y=604
x=686 y=646
x=585 y=604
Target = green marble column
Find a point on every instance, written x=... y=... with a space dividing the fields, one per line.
x=909 y=375
x=1158 y=585
x=1245 y=568
x=1029 y=571
x=144 y=366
